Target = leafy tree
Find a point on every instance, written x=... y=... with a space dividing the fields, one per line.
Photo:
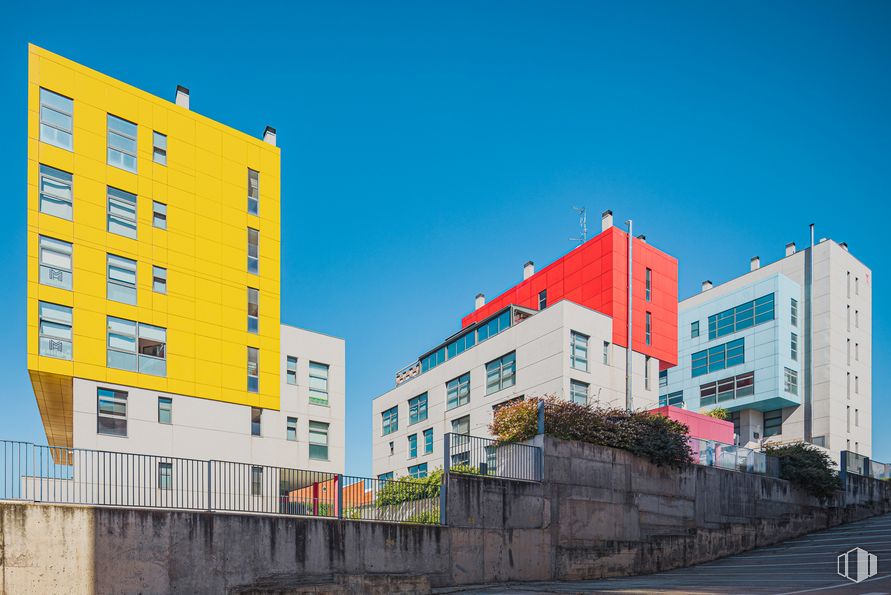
x=807 y=467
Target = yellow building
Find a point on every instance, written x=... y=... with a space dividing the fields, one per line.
x=150 y=229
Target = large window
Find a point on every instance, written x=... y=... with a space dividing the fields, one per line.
x=54 y=333
x=137 y=347
x=418 y=471
x=165 y=410
x=719 y=357
x=578 y=351
x=460 y=426
x=741 y=317
x=501 y=373
x=111 y=412
x=790 y=383
x=253 y=310
x=458 y=346
x=256 y=421
x=159 y=215
x=428 y=441
x=675 y=399
x=253 y=199
x=56 y=119
x=318 y=383
x=578 y=392
x=253 y=369
x=413 y=446
x=458 y=391
x=121 y=273
x=159 y=148
x=56 y=196
x=663 y=378
x=417 y=409
x=291 y=370
x=253 y=246
x=318 y=441
x=390 y=420
x=773 y=423
x=165 y=476
x=727 y=389
x=121 y=143
x=121 y=212
x=694 y=329
x=55 y=262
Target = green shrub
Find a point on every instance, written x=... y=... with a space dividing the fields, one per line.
x=408 y=489
x=806 y=467
x=428 y=517
x=719 y=413
x=663 y=441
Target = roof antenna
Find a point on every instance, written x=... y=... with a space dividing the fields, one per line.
x=583 y=223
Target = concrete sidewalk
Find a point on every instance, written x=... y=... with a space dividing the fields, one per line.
x=804 y=565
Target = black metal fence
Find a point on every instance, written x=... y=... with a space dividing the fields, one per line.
x=473 y=455
x=38 y=473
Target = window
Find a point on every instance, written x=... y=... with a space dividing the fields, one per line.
x=848 y=418
x=491 y=328
x=578 y=392
x=318 y=383
x=856 y=318
x=318 y=441
x=391 y=448
x=848 y=384
x=856 y=418
x=727 y=389
x=856 y=385
x=663 y=378
x=159 y=279
x=848 y=317
x=390 y=420
x=793 y=311
x=649 y=285
x=253 y=369
x=56 y=197
x=165 y=476
x=385 y=476
x=253 y=261
x=56 y=115
x=649 y=329
x=417 y=409
x=418 y=471
x=256 y=421
x=606 y=353
x=159 y=215
x=291 y=429
x=542 y=299
x=256 y=480
x=111 y=412
x=791 y=382
x=428 y=441
x=458 y=391
x=501 y=373
x=460 y=426
x=412 y=446
x=55 y=262
x=578 y=351
x=793 y=347
x=773 y=423
x=857 y=285
x=121 y=143
x=718 y=357
x=291 y=370
x=673 y=399
x=159 y=148
x=848 y=348
x=857 y=352
x=253 y=310
x=121 y=212
x=121 y=274
x=498 y=324
x=694 y=329
x=253 y=202
x=54 y=332
x=137 y=347
x=741 y=317
x=165 y=410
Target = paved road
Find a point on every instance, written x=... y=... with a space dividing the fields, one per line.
x=803 y=565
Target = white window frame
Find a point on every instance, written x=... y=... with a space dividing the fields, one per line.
x=458 y=391
x=578 y=350
x=165 y=406
x=119 y=137
x=57 y=107
x=121 y=212
x=135 y=347
x=501 y=373
x=253 y=193
x=790 y=381
x=317 y=430
x=291 y=369
x=291 y=429
x=118 y=271
x=319 y=374
x=159 y=147
x=253 y=320
x=577 y=388
x=56 y=189
x=115 y=411
x=159 y=279
x=56 y=262
x=159 y=214
x=253 y=369
x=253 y=249
x=55 y=330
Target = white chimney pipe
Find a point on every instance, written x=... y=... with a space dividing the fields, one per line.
x=182 y=96
x=479 y=302
x=755 y=263
x=790 y=248
x=706 y=285
x=528 y=270
x=606 y=220
x=269 y=135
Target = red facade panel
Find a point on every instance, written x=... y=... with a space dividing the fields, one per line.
x=594 y=275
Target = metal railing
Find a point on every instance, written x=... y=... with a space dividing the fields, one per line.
x=737 y=458
x=39 y=473
x=473 y=455
x=851 y=462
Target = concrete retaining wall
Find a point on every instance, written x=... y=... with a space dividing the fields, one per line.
x=600 y=512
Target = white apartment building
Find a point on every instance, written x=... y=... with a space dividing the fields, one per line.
x=785 y=347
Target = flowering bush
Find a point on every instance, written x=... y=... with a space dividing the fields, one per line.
x=663 y=441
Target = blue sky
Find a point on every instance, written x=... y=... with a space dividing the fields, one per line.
x=429 y=150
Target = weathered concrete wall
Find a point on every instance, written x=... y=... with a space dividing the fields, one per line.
x=600 y=512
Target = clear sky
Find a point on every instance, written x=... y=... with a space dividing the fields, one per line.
x=430 y=149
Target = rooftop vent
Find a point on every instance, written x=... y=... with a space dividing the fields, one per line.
x=182 y=96
x=790 y=248
x=755 y=263
x=706 y=285
x=844 y=246
x=269 y=135
x=528 y=270
x=479 y=302
x=642 y=238
x=606 y=220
